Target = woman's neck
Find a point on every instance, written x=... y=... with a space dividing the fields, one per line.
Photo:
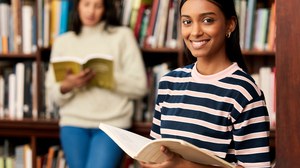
x=212 y=66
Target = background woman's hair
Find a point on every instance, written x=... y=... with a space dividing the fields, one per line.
x=109 y=16
x=233 y=49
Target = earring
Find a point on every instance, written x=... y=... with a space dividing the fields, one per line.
x=228 y=34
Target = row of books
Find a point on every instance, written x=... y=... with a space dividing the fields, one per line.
x=20 y=155
x=144 y=108
x=53 y=159
x=154 y=22
x=18 y=96
x=54 y=19
x=26 y=25
x=17 y=30
x=257 y=24
x=15 y=156
x=265 y=78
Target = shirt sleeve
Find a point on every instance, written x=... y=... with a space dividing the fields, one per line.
x=53 y=87
x=156 y=120
x=251 y=135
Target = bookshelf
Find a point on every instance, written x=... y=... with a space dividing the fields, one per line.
x=37 y=130
x=288 y=82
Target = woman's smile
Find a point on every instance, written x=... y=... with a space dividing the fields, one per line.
x=198 y=44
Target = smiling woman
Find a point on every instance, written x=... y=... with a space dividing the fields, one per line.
x=212 y=103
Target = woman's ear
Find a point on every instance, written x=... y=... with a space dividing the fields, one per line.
x=231 y=24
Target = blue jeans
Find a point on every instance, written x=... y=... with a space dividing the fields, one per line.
x=89 y=148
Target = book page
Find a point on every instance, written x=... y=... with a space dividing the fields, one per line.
x=130 y=142
x=104 y=72
x=98 y=55
x=61 y=69
x=66 y=59
x=144 y=149
x=152 y=153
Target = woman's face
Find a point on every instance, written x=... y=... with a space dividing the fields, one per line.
x=203 y=28
x=90 y=11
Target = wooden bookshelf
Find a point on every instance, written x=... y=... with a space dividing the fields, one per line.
x=288 y=82
x=30 y=129
x=40 y=128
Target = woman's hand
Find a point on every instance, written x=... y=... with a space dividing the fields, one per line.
x=175 y=161
x=73 y=81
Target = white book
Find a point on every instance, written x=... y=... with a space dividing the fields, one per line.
x=242 y=22
x=20 y=79
x=27 y=156
x=46 y=24
x=27 y=13
x=4 y=17
x=272 y=112
x=163 y=23
x=40 y=23
x=12 y=95
x=265 y=77
x=147 y=150
x=261 y=27
x=34 y=91
x=169 y=32
x=127 y=4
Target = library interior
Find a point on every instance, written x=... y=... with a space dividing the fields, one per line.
x=29 y=118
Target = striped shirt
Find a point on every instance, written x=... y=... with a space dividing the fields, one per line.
x=224 y=113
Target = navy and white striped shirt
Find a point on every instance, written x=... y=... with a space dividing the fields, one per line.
x=224 y=113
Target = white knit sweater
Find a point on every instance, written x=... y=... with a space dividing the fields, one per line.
x=88 y=107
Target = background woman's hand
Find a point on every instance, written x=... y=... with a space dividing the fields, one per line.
x=73 y=81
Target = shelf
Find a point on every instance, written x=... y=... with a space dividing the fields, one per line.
x=40 y=128
x=160 y=50
x=259 y=53
x=17 y=55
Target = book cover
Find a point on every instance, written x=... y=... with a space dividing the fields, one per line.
x=20 y=80
x=101 y=64
x=147 y=150
x=27 y=28
x=250 y=22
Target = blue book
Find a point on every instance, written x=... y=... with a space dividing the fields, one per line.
x=64 y=13
x=251 y=7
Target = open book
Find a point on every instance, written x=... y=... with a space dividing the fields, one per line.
x=147 y=150
x=101 y=64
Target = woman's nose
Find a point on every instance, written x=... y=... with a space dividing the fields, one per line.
x=197 y=30
x=90 y=10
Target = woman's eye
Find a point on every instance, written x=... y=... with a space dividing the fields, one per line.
x=186 y=22
x=208 y=20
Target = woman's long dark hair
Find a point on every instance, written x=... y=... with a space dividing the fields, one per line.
x=110 y=16
x=233 y=49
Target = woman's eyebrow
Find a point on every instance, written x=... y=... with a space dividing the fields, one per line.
x=202 y=14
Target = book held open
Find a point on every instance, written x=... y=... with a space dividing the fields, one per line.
x=143 y=149
x=101 y=64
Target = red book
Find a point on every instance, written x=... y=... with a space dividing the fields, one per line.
x=152 y=20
